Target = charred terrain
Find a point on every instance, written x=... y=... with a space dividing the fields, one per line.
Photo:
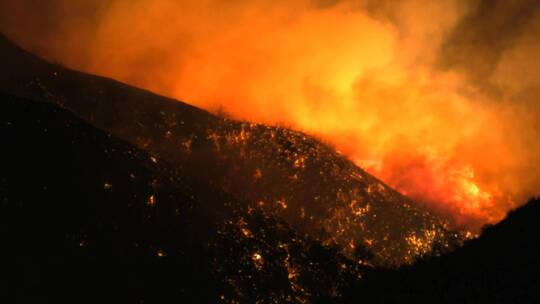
x=112 y=193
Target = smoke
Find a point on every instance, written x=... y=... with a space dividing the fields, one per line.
x=440 y=99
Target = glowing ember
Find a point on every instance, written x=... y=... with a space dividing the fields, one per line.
x=258 y=260
x=160 y=253
x=151 y=200
x=282 y=203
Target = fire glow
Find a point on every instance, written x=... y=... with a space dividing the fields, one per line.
x=364 y=78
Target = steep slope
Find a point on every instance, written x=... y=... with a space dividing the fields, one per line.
x=502 y=266
x=294 y=176
x=86 y=217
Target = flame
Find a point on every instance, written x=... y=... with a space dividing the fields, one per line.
x=361 y=76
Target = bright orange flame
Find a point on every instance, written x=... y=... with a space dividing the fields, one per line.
x=359 y=77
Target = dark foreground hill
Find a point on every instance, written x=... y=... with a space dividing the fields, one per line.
x=88 y=218
x=287 y=173
x=502 y=266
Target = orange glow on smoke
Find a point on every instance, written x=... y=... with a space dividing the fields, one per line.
x=362 y=81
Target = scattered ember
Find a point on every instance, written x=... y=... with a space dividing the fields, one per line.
x=282 y=203
x=258 y=174
x=258 y=260
x=161 y=253
x=151 y=200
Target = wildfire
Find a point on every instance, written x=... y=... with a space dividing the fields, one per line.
x=362 y=77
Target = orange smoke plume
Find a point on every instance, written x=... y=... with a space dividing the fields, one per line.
x=389 y=84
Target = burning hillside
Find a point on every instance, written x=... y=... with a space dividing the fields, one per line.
x=95 y=219
x=285 y=172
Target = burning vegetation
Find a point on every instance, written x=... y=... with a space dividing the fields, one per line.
x=283 y=172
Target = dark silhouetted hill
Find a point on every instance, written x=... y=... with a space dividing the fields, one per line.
x=502 y=266
x=292 y=175
x=88 y=218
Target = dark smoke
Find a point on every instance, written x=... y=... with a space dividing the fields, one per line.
x=493 y=27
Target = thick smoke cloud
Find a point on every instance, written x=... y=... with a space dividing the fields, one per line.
x=52 y=28
x=490 y=31
x=441 y=99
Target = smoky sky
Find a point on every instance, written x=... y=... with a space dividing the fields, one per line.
x=474 y=46
x=493 y=27
x=38 y=21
